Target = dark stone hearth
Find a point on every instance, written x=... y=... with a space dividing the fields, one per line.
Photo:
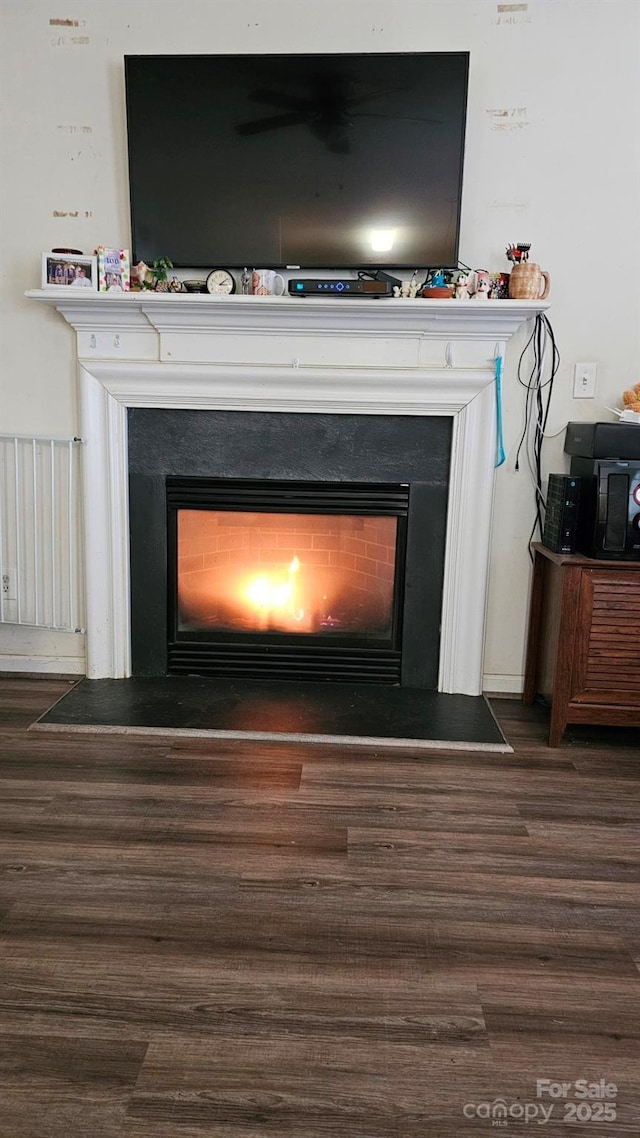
x=360 y=712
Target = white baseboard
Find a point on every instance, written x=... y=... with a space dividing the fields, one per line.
x=76 y=666
x=502 y=685
x=34 y=665
x=41 y=650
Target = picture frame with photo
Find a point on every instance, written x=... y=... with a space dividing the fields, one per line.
x=69 y=271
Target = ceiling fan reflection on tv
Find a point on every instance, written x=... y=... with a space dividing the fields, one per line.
x=328 y=113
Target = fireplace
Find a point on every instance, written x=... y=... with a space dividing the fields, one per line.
x=265 y=546
x=419 y=359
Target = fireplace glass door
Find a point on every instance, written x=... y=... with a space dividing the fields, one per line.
x=286 y=580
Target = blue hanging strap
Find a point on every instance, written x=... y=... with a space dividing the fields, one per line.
x=500 y=455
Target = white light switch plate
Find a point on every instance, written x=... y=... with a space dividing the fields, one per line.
x=584 y=381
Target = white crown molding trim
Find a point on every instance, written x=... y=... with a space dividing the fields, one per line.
x=242 y=387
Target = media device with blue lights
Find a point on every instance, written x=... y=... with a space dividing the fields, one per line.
x=343 y=162
x=342 y=287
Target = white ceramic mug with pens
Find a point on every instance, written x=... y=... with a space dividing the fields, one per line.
x=266 y=282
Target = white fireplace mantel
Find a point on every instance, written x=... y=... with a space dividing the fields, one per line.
x=355 y=356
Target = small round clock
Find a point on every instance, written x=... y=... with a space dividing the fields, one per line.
x=221 y=282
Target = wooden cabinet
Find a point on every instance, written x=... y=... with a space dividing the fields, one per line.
x=583 y=650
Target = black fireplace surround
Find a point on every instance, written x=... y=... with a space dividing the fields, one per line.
x=301 y=449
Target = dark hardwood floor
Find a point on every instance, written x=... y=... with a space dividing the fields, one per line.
x=206 y=939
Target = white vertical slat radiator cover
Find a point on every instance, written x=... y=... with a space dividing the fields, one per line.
x=40 y=561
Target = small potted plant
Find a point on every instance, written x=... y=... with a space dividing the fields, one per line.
x=159 y=270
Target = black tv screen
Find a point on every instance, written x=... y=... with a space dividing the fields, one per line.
x=312 y=161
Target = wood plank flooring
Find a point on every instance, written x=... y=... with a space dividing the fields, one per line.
x=206 y=939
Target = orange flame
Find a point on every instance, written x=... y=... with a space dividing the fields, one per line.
x=269 y=593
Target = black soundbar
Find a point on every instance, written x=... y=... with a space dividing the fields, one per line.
x=319 y=286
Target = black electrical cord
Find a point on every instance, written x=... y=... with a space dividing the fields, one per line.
x=381 y=274
x=539 y=389
x=377 y=275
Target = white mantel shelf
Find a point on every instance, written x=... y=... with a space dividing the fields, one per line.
x=486 y=320
x=313 y=355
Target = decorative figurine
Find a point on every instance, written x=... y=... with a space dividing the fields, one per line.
x=462 y=287
x=245 y=281
x=499 y=286
x=482 y=284
x=631 y=399
x=143 y=274
x=519 y=253
x=408 y=290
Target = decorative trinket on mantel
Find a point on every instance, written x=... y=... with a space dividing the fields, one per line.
x=154 y=278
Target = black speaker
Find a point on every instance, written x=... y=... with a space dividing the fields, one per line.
x=562 y=513
x=609 y=512
x=603 y=440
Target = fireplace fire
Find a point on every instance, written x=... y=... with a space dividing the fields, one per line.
x=295 y=573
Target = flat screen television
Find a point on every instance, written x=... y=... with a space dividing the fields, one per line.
x=309 y=161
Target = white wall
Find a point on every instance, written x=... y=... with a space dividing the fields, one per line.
x=561 y=169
